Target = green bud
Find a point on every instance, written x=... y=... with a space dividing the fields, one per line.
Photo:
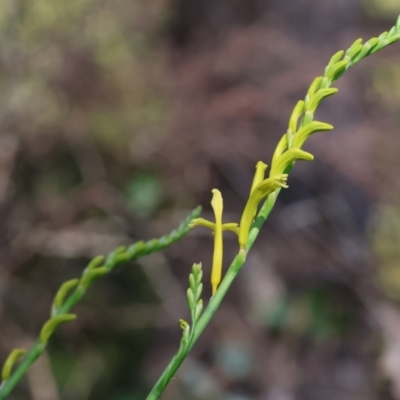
x=89 y=276
x=318 y=97
x=52 y=324
x=196 y=269
x=192 y=282
x=117 y=259
x=184 y=325
x=64 y=289
x=136 y=248
x=368 y=47
x=354 y=49
x=335 y=58
x=190 y=298
x=96 y=262
x=315 y=85
x=186 y=331
x=120 y=249
x=299 y=108
x=13 y=357
x=336 y=70
x=394 y=38
x=199 y=309
x=198 y=291
x=185 y=336
x=287 y=158
x=199 y=275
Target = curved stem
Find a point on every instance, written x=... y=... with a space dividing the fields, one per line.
x=216 y=300
x=34 y=353
x=353 y=55
x=136 y=251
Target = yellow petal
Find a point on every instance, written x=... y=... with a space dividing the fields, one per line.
x=280 y=148
x=231 y=226
x=261 y=191
x=217 y=205
x=201 y=222
x=216 y=272
x=259 y=175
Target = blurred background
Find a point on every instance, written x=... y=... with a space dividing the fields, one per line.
x=119 y=116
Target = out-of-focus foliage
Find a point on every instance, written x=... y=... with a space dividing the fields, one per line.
x=382 y=8
x=143 y=194
x=83 y=68
x=386 y=246
x=386 y=84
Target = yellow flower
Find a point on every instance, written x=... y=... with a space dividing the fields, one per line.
x=260 y=192
x=217 y=227
x=259 y=175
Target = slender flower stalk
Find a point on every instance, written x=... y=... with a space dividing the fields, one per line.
x=65 y=300
x=287 y=152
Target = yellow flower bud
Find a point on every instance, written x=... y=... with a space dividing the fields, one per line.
x=261 y=191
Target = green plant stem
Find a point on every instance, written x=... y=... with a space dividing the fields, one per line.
x=34 y=353
x=37 y=349
x=352 y=57
x=216 y=300
x=136 y=251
